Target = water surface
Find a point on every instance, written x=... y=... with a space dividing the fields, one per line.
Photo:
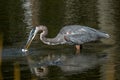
x=97 y=60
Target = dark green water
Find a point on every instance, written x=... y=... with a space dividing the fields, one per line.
x=97 y=61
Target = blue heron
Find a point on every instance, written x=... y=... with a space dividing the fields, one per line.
x=71 y=34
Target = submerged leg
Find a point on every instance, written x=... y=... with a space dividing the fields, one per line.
x=77 y=48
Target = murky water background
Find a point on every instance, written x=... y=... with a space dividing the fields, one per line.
x=97 y=60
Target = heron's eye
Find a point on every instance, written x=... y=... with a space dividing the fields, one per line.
x=32 y=31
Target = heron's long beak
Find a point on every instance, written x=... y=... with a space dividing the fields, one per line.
x=32 y=34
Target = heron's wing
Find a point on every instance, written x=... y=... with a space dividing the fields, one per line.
x=80 y=38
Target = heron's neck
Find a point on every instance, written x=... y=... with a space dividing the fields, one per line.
x=49 y=41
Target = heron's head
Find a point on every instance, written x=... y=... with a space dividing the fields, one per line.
x=33 y=33
x=41 y=28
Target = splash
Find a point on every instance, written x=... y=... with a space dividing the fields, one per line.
x=24 y=50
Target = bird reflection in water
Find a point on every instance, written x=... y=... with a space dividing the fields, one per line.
x=35 y=68
x=66 y=64
x=40 y=71
x=72 y=35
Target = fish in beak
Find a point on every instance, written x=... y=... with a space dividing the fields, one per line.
x=32 y=35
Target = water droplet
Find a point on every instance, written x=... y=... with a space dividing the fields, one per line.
x=24 y=50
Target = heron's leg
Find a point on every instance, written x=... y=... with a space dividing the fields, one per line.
x=77 y=48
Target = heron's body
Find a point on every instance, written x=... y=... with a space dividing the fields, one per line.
x=72 y=34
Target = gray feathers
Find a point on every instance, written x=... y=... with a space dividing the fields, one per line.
x=76 y=34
